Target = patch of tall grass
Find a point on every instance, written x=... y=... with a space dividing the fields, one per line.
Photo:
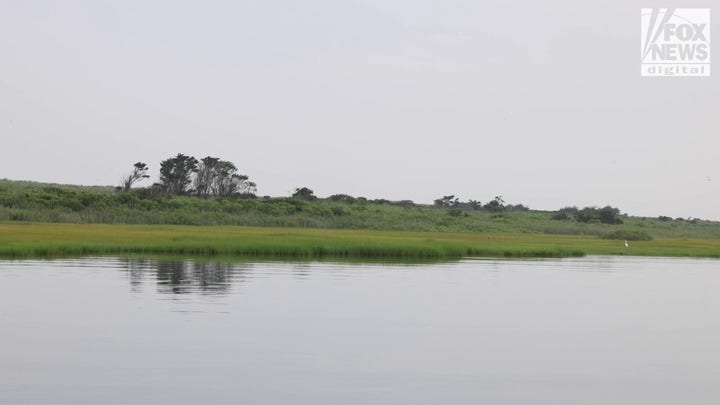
x=22 y=240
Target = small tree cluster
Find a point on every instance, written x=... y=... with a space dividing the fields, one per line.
x=220 y=178
x=496 y=205
x=565 y=213
x=605 y=215
x=448 y=201
x=185 y=175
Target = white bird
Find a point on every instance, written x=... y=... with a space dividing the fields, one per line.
x=626 y=244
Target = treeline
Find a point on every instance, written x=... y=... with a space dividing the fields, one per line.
x=186 y=175
x=496 y=205
x=605 y=215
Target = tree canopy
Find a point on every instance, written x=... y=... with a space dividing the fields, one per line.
x=176 y=173
x=220 y=178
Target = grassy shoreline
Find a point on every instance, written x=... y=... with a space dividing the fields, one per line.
x=32 y=240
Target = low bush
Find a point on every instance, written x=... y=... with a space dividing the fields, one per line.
x=627 y=234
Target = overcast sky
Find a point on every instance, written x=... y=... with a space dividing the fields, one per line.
x=538 y=101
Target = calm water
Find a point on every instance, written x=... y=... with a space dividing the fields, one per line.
x=581 y=331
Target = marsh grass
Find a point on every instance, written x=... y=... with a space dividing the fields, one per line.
x=24 y=240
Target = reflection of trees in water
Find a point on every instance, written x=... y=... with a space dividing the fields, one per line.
x=136 y=269
x=180 y=277
x=187 y=276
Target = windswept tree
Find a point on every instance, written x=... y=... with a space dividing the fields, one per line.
x=139 y=173
x=220 y=178
x=176 y=173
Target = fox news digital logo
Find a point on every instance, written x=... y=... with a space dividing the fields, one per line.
x=675 y=42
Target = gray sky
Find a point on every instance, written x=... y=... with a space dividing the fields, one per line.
x=538 y=101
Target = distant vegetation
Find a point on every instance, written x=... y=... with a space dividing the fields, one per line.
x=605 y=215
x=628 y=234
x=212 y=191
x=38 y=202
x=185 y=175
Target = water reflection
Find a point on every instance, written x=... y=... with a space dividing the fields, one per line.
x=185 y=276
x=138 y=330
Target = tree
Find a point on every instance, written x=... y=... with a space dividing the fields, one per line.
x=516 y=208
x=342 y=198
x=176 y=173
x=228 y=182
x=304 y=193
x=139 y=173
x=447 y=201
x=217 y=177
x=610 y=215
x=605 y=215
x=474 y=205
x=496 y=205
x=205 y=176
x=565 y=213
x=587 y=214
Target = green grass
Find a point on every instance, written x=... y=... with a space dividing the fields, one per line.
x=41 y=202
x=49 y=220
x=24 y=240
x=20 y=185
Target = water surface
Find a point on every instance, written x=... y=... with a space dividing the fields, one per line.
x=595 y=330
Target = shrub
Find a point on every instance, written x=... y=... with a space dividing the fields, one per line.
x=342 y=198
x=454 y=212
x=564 y=213
x=605 y=215
x=304 y=193
x=405 y=203
x=338 y=211
x=627 y=234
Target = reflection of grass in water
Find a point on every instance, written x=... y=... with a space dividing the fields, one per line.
x=19 y=240
x=247 y=259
